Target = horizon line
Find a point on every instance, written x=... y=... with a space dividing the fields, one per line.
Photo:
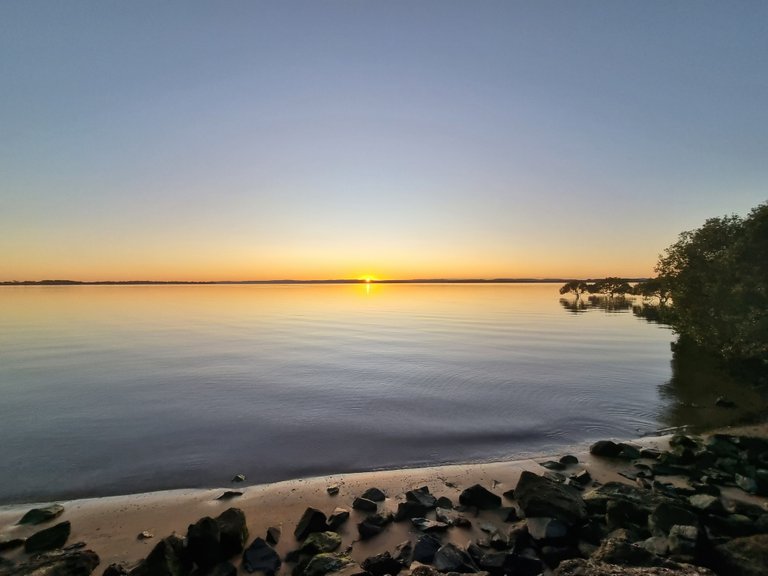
x=293 y=281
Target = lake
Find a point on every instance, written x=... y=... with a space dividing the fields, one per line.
x=121 y=389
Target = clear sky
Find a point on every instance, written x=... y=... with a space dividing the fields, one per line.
x=332 y=139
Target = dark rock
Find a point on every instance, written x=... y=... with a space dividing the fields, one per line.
x=581 y=479
x=555 y=476
x=650 y=453
x=229 y=494
x=451 y=558
x=421 y=496
x=167 y=558
x=598 y=498
x=480 y=498
x=319 y=542
x=311 y=521
x=40 y=515
x=722 y=445
x=444 y=502
x=731 y=526
x=554 y=555
x=622 y=553
x=261 y=557
x=580 y=567
x=233 y=532
x=273 y=535
x=569 y=460
x=116 y=569
x=746 y=556
x=374 y=494
x=707 y=503
x=203 y=543
x=746 y=483
x=381 y=564
x=526 y=563
x=57 y=563
x=552 y=465
x=493 y=562
x=723 y=402
x=666 y=515
x=682 y=441
x=220 y=569
x=619 y=513
x=337 y=518
x=629 y=451
x=238 y=478
x=326 y=563
x=11 y=544
x=48 y=539
x=332 y=490
x=404 y=553
x=509 y=494
x=364 y=504
x=425 y=549
x=605 y=448
x=372 y=526
x=658 y=545
x=683 y=541
x=426 y=525
x=407 y=510
x=462 y=522
x=546 y=529
x=541 y=497
x=509 y=514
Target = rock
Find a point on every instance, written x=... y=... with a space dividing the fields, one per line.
x=145 y=535
x=542 y=528
x=605 y=448
x=444 y=502
x=707 y=503
x=541 y=497
x=115 y=569
x=658 y=545
x=203 y=543
x=731 y=526
x=337 y=518
x=723 y=402
x=48 y=539
x=11 y=544
x=57 y=563
x=229 y=494
x=273 y=535
x=425 y=548
x=552 y=465
x=746 y=483
x=493 y=562
x=326 y=563
x=407 y=510
x=682 y=540
x=650 y=453
x=319 y=542
x=581 y=479
x=332 y=490
x=451 y=558
x=221 y=569
x=40 y=515
x=374 y=494
x=620 y=553
x=629 y=451
x=311 y=521
x=372 y=526
x=239 y=478
x=429 y=525
x=364 y=504
x=167 y=558
x=666 y=515
x=233 y=532
x=619 y=513
x=404 y=553
x=746 y=556
x=569 y=460
x=421 y=496
x=261 y=557
x=480 y=497
x=381 y=564
x=579 y=567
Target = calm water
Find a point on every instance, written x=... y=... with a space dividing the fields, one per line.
x=107 y=390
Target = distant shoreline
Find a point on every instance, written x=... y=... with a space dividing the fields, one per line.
x=287 y=281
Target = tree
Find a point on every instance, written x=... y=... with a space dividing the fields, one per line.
x=718 y=279
x=612 y=286
x=654 y=288
x=577 y=287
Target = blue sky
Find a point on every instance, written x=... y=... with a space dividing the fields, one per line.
x=233 y=140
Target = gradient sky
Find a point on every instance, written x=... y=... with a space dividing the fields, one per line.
x=332 y=139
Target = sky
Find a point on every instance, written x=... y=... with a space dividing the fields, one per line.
x=186 y=140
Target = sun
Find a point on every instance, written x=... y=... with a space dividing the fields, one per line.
x=367 y=278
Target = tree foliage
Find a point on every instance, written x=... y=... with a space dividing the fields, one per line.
x=577 y=287
x=717 y=276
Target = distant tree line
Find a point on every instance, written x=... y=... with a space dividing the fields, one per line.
x=711 y=287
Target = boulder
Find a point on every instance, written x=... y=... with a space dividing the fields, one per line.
x=426 y=525
x=273 y=535
x=619 y=513
x=311 y=521
x=409 y=509
x=546 y=529
x=326 y=563
x=444 y=502
x=372 y=526
x=319 y=542
x=337 y=518
x=605 y=448
x=233 y=532
x=381 y=564
x=374 y=494
x=451 y=558
x=57 y=563
x=203 y=543
x=421 y=496
x=404 y=553
x=364 y=505
x=40 y=515
x=48 y=539
x=617 y=552
x=746 y=556
x=666 y=515
x=682 y=541
x=480 y=497
x=425 y=549
x=569 y=460
x=261 y=557
x=579 y=567
x=167 y=558
x=11 y=543
x=538 y=496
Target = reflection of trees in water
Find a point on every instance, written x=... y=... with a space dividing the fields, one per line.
x=698 y=379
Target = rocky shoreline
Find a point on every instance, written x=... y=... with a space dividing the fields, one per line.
x=682 y=505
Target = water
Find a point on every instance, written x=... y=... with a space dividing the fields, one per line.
x=119 y=389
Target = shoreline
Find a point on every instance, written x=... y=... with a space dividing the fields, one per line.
x=111 y=525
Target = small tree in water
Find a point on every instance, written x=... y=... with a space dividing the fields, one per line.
x=577 y=287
